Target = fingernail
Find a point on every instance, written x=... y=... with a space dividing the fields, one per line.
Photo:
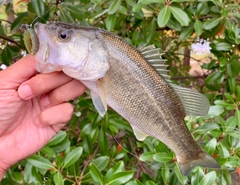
x=45 y=101
x=25 y=91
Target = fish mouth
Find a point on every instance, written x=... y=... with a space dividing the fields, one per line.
x=31 y=41
x=43 y=58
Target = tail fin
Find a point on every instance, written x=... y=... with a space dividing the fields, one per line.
x=204 y=160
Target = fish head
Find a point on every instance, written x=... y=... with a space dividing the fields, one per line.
x=76 y=51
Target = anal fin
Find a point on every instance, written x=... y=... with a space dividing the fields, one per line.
x=139 y=134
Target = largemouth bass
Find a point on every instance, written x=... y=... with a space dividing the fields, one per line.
x=131 y=81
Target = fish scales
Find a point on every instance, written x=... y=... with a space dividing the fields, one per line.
x=154 y=102
x=120 y=76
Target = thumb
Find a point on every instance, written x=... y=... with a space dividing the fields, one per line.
x=18 y=72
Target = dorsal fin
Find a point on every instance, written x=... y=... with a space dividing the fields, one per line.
x=152 y=55
x=194 y=103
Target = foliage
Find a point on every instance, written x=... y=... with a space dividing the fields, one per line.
x=95 y=150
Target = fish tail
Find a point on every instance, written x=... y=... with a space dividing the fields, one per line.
x=203 y=159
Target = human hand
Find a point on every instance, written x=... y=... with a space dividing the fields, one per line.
x=33 y=109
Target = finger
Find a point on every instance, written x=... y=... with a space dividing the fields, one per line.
x=41 y=84
x=66 y=92
x=18 y=72
x=56 y=116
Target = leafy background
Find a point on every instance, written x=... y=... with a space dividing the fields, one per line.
x=95 y=150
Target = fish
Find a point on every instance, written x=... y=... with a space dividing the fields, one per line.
x=132 y=81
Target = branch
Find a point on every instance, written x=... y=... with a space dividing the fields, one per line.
x=9 y=40
x=6 y=21
x=86 y=163
x=187 y=77
x=141 y=167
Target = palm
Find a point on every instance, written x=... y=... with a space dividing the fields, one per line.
x=26 y=122
x=23 y=137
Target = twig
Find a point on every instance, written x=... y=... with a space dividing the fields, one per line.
x=6 y=21
x=187 y=77
x=86 y=163
x=140 y=165
x=9 y=40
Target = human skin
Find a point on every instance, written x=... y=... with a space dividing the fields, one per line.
x=33 y=108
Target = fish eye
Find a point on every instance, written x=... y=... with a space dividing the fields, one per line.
x=63 y=35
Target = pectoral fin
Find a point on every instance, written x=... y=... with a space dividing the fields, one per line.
x=100 y=101
x=97 y=102
x=139 y=134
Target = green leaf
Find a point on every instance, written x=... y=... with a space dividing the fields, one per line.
x=135 y=182
x=110 y=22
x=103 y=141
x=101 y=162
x=120 y=178
x=65 y=16
x=224 y=177
x=119 y=167
x=238 y=92
x=221 y=45
x=114 y=6
x=122 y=10
x=208 y=127
x=72 y=157
x=197 y=174
x=17 y=176
x=211 y=23
x=213 y=77
x=38 y=7
x=137 y=7
x=223 y=151
x=48 y=151
x=186 y=33
x=229 y=97
x=162 y=157
x=180 y=15
x=146 y=156
x=6 y=56
x=31 y=175
x=18 y=21
x=215 y=110
x=208 y=179
x=58 y=138
x=231 y=124
x=40 y=162
x=211 y=146
x=164 y=16
x=95 y=174
x=174 y=24
x=165 y=172
x=151 y=1
x=183 y=179
x=198 y=26
x=63 y=145
x=150 y=183
x=58 y=179
x=235 y=134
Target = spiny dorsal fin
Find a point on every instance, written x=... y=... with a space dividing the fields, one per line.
x=194 y=103
x=152 y=55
